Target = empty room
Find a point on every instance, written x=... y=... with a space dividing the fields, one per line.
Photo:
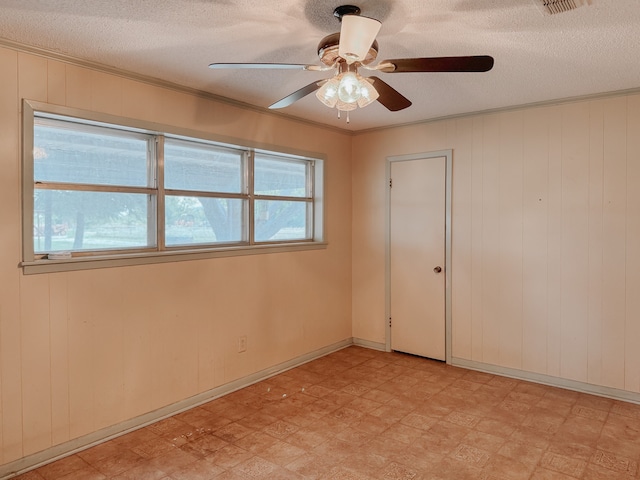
x=394 y=239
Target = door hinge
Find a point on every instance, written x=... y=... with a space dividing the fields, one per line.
x=390 y=183
x=389 y=321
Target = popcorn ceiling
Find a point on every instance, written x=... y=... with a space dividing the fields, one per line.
x=590 y=50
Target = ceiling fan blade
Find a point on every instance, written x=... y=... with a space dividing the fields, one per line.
x=389 y=96
x=478 y=63
x=357 y=34
x=297 y=95
x=286 y=66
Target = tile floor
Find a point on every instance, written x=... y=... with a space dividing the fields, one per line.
x=361 y=414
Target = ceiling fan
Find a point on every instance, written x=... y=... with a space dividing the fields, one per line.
x=355 y=47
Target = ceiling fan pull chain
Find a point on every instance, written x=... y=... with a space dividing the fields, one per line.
x=347 y=117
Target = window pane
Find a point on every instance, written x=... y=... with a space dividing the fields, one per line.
x=274 y=176
x=90 y=157
x=201 y=220
x=280 y=220
x=77 y=221
x=204 y=168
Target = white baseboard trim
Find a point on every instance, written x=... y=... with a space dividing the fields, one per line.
x=76 y=445
x=574 y=385
x=361 y=342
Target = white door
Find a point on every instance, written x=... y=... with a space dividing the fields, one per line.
x=417 y=256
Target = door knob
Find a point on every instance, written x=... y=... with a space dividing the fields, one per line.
x=437 y=269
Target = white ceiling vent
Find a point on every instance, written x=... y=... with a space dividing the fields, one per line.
x=551 y=7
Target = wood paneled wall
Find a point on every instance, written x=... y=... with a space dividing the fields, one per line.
x=84 y=350
x=546 y=236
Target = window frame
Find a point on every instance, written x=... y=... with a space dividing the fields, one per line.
x=160 y=253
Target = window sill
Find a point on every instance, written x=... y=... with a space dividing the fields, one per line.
x=108 y=261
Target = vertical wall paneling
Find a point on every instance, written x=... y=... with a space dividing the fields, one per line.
x=461 y=239
x=56 y=83
x=632 y=283
x=107 y=345
x=509 y=260
x=78 y=87
x=491 y=294
x=10 y=354
x=80 y=311
x=614 y=251
x=554 y=242
x=535 y=211
x=59 y=358
x=36 y=364
x=477 y=162
x=34 y=316
x=596 y=238
x=32 y=75
x=106 y=93
x=575 y=236
x=138 y=325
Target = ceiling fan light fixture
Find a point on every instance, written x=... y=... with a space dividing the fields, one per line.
x=368 y=94
x=328 y=93
x=346 y=107
x=349 y=90
x=357 y=34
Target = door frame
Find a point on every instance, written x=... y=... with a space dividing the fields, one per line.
x=448 y=155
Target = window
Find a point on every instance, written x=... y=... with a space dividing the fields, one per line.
x=96 y=190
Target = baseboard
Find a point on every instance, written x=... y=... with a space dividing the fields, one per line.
x=361 y=342
x=583 y=387
x=76 y=445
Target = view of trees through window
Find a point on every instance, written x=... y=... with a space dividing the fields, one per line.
x=98 y=188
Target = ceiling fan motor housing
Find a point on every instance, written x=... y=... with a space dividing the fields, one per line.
x=329 y=46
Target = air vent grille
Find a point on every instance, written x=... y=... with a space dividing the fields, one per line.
x=552 y=7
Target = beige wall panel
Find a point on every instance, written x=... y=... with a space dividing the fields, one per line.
x=477 y=189
x=140 y=100
x=614 y=252
x=535 y=212
x=368 y=233
x=56 y=82
x=81 y=295
x=554 y=242
x=173 y=340
x=36 y=363
x=107 y=367
x=10 y=361
x=32 y=77
x=59 y=358
x=596 y=240
x=106 y=93
x=461 y=238
x=575 y=237
x=509 y=262
x=632 y=327
x=78 y=83
x=139 y=297
x=491 y=281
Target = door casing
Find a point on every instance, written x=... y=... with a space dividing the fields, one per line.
x=448 y=155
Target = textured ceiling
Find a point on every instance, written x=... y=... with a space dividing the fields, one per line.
x=590 y=50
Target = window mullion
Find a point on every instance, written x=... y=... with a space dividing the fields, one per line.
x=250 y=217
x=158 y=161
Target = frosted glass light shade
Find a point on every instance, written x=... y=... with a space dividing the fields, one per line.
x=368 y=93
x=328 y=93
x=356 y=36
x=346 y=107
x=349 y=88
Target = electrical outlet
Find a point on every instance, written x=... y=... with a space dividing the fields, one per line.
x=242 y=344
